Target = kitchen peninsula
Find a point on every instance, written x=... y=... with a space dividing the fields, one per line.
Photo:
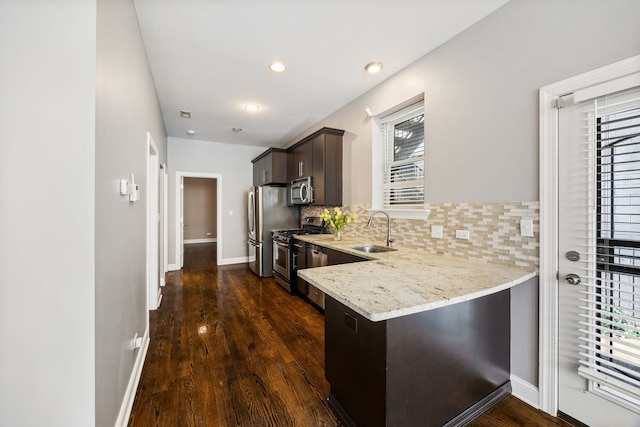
x=414 y=338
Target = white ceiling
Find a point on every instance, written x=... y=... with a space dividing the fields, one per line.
x=211 y=57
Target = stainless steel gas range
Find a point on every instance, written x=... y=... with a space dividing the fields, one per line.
x=289 y=255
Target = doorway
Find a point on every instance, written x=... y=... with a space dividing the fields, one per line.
x=181 y=235
x=200 y=210
x=589 y=275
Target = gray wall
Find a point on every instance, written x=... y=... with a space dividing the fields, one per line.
x=126 y=108
x=47 y=106
x=233 y=162
x=481 y=96
x=481 y=103
x=77 y=100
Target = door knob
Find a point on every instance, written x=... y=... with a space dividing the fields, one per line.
x=573 y=279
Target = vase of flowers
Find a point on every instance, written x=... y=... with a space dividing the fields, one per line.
x=337 y=220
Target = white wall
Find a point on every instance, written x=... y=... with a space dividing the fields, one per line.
x=77 y=100
x=47 y=129
x=126 y=108
x=233 y=162
x=481 y=96
x=481 y=103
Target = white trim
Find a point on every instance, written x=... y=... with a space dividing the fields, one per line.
x=132 y=386
x=173 y=267
x=548 y=352
x=165 y=223
x=178 y=207
x=152 y=225
x=227 y=261
x=525 y=391
x=209 y=240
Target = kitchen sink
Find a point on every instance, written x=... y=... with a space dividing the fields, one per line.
x=372 y=248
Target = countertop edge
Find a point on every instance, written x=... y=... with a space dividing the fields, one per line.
x=378 y=317
x=388 y=259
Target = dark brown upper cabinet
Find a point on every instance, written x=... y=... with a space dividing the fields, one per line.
x=319 y=155
x=300 y=162
x=270 y=167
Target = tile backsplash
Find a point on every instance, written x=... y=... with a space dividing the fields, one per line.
x=494 y=230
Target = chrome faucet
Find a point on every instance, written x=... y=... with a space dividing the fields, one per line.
x=389 y=239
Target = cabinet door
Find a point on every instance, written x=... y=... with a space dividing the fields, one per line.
x=265 y=170
x=355 y=363
x=319 y=172
x=256 y=173
x=327 y=169
x=306 y=159
x=338 y=257
x=270 y=169
x=300 y=162
x=277 y=168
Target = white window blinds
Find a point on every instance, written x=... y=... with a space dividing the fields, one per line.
x=404 y=159
x=610 y=309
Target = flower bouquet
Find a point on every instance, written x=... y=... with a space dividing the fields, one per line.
x=337 y=220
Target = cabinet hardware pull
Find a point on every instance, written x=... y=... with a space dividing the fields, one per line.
x=351 y=322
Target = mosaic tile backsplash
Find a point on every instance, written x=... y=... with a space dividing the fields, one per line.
x=494 y=230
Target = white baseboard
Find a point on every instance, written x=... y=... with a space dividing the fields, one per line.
x=525 y=391
x=134 y=379
x=173 y=267
x=238 y=260
x=210 y=240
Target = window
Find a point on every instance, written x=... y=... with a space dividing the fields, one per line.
x=403 y=134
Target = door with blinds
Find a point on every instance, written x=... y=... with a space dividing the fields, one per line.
x=599 y=258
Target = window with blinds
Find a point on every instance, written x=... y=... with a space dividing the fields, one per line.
x=404 y=159
x=610 y=326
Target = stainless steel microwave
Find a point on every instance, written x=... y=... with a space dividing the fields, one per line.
x=302 y=191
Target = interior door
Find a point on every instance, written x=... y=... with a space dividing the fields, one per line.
x=599 y=260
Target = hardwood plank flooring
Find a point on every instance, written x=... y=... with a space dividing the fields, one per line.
x=230 y=349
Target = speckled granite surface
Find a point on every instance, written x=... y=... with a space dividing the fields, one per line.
x=406 y=281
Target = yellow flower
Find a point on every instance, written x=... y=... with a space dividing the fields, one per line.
x=337 y=220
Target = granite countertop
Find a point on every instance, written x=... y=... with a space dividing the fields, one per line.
x=405 y=281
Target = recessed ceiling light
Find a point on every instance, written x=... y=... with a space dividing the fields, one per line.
x=191 y=132
x=278 y=67
x=251 y=107
x=185 y=114
x=373 y=67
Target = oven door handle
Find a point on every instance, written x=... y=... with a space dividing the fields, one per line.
x=282 y=245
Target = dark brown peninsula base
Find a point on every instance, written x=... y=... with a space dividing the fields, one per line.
x=443 y=367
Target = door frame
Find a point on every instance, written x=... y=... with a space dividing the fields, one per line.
x=180 y=175
x=548 y=181
x=154 y=264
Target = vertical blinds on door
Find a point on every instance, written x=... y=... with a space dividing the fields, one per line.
x=610 y=259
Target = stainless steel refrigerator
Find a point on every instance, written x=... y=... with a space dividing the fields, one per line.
x=267 y=210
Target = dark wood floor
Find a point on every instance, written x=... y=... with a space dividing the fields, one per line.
x=230 y=349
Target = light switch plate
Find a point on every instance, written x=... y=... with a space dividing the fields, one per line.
x=437 y=231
